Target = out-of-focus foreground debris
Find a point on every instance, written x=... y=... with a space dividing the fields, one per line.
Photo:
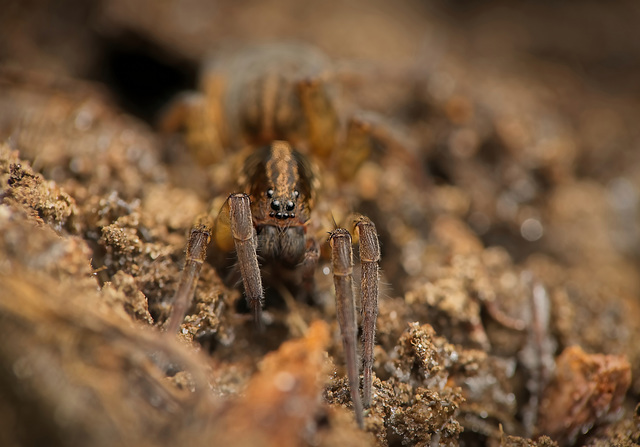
x=586 y=390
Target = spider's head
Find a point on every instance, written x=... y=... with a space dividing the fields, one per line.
x=280 y=184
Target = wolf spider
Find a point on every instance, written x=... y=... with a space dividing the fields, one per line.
x=275 y=101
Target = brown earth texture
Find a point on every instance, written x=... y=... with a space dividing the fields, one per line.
x=508 y=212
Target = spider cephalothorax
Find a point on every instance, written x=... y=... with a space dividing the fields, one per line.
x=280 y=183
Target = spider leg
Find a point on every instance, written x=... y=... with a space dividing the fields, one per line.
x=342 y=262
x=365 y=232
x=308 y=268
x=321 y=115
x=369 y=137
x=233 y=228
x=199 y=238
x=199 y=117
x=357 y=148
x=235 y=221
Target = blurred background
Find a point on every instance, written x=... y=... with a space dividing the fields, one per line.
x=554 y=84
x=144 y=49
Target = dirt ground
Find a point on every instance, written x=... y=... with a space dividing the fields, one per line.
x=509 y=225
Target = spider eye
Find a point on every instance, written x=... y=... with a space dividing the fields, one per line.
x=290 y=205
x=296 y=193
x=270 y=193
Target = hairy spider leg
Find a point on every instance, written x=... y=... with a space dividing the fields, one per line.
x=199 y=238
x=235 y=219
x=342 y=262
x=366 y=236
x=367 y=136
x=199 y=115
x=356 y=149
x=233 y=228
x=320 y=114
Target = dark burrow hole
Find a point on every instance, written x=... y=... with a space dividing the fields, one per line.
x=142 y=76
x=437 y=167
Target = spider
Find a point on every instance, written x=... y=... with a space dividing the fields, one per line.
x=273 y=103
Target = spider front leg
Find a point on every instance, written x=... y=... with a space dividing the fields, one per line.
x=235 y=220
x=342 y=263
x=233 y=228
x=365 y=231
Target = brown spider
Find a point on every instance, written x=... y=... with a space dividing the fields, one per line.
x=270 y=98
